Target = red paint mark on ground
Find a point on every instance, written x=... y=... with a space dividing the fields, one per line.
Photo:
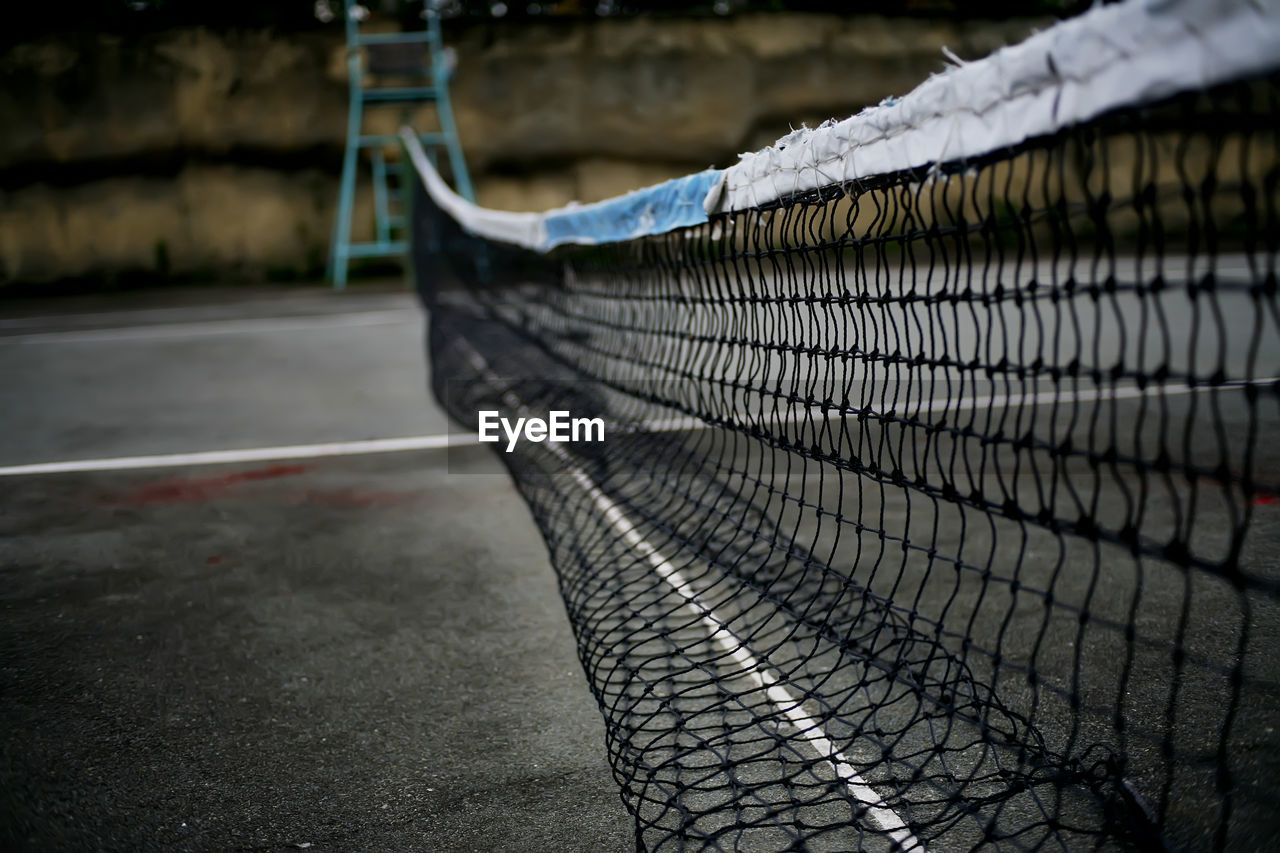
x=209 y=488
x=1264 y=498
x=353 y=498
x=203 y=489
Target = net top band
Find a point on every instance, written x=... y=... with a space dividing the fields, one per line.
x=1111 y=57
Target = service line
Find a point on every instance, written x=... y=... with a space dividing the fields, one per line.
x=250 y=454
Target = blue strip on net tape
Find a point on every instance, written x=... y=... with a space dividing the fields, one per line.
x=654 y=210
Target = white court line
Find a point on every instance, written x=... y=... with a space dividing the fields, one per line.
x=435 y=442
x=792 y=706
x=252 y=454
x=934 y=405
x=884 y=817
x=218 y=327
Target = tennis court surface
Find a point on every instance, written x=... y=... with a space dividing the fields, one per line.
x=325 y=653
x=939 y=505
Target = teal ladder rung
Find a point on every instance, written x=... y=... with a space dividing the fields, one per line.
x=390 y=197
x=400 y=94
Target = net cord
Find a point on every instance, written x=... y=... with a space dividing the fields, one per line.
x=1112 y=57
x=1109 y=58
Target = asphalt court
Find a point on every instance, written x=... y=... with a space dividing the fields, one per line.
x=349 y=652
x=335 y=650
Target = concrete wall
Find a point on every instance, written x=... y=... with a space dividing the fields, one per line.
x=193 y=152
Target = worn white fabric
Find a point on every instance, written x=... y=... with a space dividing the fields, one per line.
x=653 y=210
x=521 y=229
x=1110 y=57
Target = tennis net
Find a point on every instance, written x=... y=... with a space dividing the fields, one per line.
x=937 y=507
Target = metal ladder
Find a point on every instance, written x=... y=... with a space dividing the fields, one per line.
x=401 y=54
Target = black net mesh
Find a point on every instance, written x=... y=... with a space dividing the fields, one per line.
x=934 y=509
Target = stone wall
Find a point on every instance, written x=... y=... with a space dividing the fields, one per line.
x=193 y=152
